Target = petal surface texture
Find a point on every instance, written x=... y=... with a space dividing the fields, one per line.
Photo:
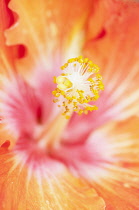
x=46 y=29
x=119 y=187
x=51 y=192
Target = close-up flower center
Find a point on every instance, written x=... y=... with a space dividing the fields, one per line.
x=76 y=90
x=77 y=87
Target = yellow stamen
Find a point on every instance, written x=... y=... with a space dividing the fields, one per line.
x=77 y=86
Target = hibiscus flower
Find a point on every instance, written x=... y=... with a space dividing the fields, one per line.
x=57 y=151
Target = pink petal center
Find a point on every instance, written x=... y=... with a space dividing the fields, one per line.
x=28 y=111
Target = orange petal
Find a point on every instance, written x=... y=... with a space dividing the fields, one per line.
x=6 y=53
x=44 y=28
x=6 y=139
x=114 y=45
x=118 y=191
x=120 y=186
x=121 y=142
x=125 y=143
x=55 y=192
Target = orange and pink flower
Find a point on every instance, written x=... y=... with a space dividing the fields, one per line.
x=88 y=161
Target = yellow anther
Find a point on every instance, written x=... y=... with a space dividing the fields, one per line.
x=90 y=79
x=63 y=83
x=62 y=87
x=85 y=112
x=57 y=94
x=80 y=57
x=80 y=111
x=81 y=60
x=68 y=83
x=86 y=60
x=90 y=70
x=62 y=67
x=68 y=98
x=85 y=101
x=95 y=97
x=65 y=65
x=54 y=79
x=67 y=116
x=55 y=100
x=71 y=60
x=54 y=92
x=60 y=80
x=62 y=92
x=101 y=87
x=91 y=63
x=98 y=76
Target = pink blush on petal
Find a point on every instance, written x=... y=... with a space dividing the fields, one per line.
x=35 y=158
x=88 y=123
x=25 y=107
x=83 y=159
